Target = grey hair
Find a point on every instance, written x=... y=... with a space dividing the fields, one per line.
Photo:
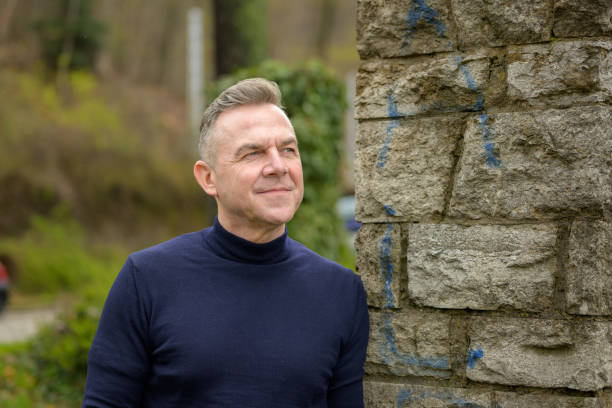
x=250 y=91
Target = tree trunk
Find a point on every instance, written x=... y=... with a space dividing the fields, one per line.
x=240 y=34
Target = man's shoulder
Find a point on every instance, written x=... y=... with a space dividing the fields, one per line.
x=318 y=262
x=180 y=247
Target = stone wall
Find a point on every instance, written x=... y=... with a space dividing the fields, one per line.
x=484 y=185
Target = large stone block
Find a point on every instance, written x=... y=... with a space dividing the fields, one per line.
x=397 y=28
x=589 y=271
x=501 y=22
x=536 y=165
x=561 y=73
x=386 y=395
x=579 y=18
x=426 y=84
x=403 y=167
x=541 y=353
x=482 y=266
x=379 y=263
x=409 y=343
x=514 y=400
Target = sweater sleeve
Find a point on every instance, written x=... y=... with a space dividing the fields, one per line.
x=118 y=361
x=346 y=387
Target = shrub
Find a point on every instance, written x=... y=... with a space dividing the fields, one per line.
x=52 y=257
x=52 y=367
x=110 y=156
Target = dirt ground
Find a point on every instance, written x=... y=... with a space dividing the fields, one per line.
x=19 y=325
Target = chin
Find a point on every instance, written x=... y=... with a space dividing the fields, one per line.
x=279 y=218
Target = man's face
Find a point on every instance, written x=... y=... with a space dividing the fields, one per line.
x=257 y=175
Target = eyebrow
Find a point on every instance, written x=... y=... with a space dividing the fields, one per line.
x=254 y=146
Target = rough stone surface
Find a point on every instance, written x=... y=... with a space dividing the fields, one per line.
x=536 y=165
x=514 y=400
x=379 y=263
x=394 y=28
x=541 y=353
x=589 y=271
x=403 y=167
x=482 y=266
x=606 y=398
x=385 y=395
x=409 y=343
x=426 y=84
x=579 y=18
x=500 y=22
x=561 y=73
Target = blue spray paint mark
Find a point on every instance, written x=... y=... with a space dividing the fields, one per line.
x=474 y=356
x=390 y=354
x=402 y=397
x=386 y=265
x=388 y=349
x=492 y=159
x=446 y=396
x=421 y=11
x=392 y=112
x=389 y=210
x=472 y=85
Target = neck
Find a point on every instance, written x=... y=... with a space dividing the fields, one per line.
x=259 y=235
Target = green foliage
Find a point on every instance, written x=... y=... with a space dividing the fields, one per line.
x=52 y=367
x=314 y=100
x=58 y=353
x=85 y=31
x=52 y=257
x=108 y=156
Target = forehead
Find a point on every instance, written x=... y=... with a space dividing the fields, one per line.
x=252 y=118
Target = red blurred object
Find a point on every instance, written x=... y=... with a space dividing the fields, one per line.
x=5 y=282
x=4 y=277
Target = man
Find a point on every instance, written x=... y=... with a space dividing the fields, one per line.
x=236 y=315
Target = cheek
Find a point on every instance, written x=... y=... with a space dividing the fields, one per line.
x=296 y=172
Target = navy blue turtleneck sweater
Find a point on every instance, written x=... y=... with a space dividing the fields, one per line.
x=209 y=319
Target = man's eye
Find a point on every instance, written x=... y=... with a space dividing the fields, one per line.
x=251 y=154
x=290 y=150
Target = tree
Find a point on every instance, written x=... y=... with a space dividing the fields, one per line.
x=240 y=34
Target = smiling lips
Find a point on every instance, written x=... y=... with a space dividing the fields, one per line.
x=274 y=190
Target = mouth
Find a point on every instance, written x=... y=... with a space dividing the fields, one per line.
x=275 y=190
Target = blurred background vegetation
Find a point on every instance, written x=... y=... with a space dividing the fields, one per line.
x=96 y=152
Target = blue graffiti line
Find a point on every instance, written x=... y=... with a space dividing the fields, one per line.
x=389 y=210
x=390 y=354
x=446 y=396
x=421 y=11
x=474 y=356
x=392 y=112
x=386 y=265
x=492 y=159
x=402 y=397
x=472 y=85
x=382 y=156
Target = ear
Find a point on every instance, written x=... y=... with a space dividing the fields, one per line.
x=205 y=176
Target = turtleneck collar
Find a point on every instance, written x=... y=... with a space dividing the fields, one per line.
x=237 y=249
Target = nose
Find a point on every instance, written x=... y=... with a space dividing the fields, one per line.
x=275 y=164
